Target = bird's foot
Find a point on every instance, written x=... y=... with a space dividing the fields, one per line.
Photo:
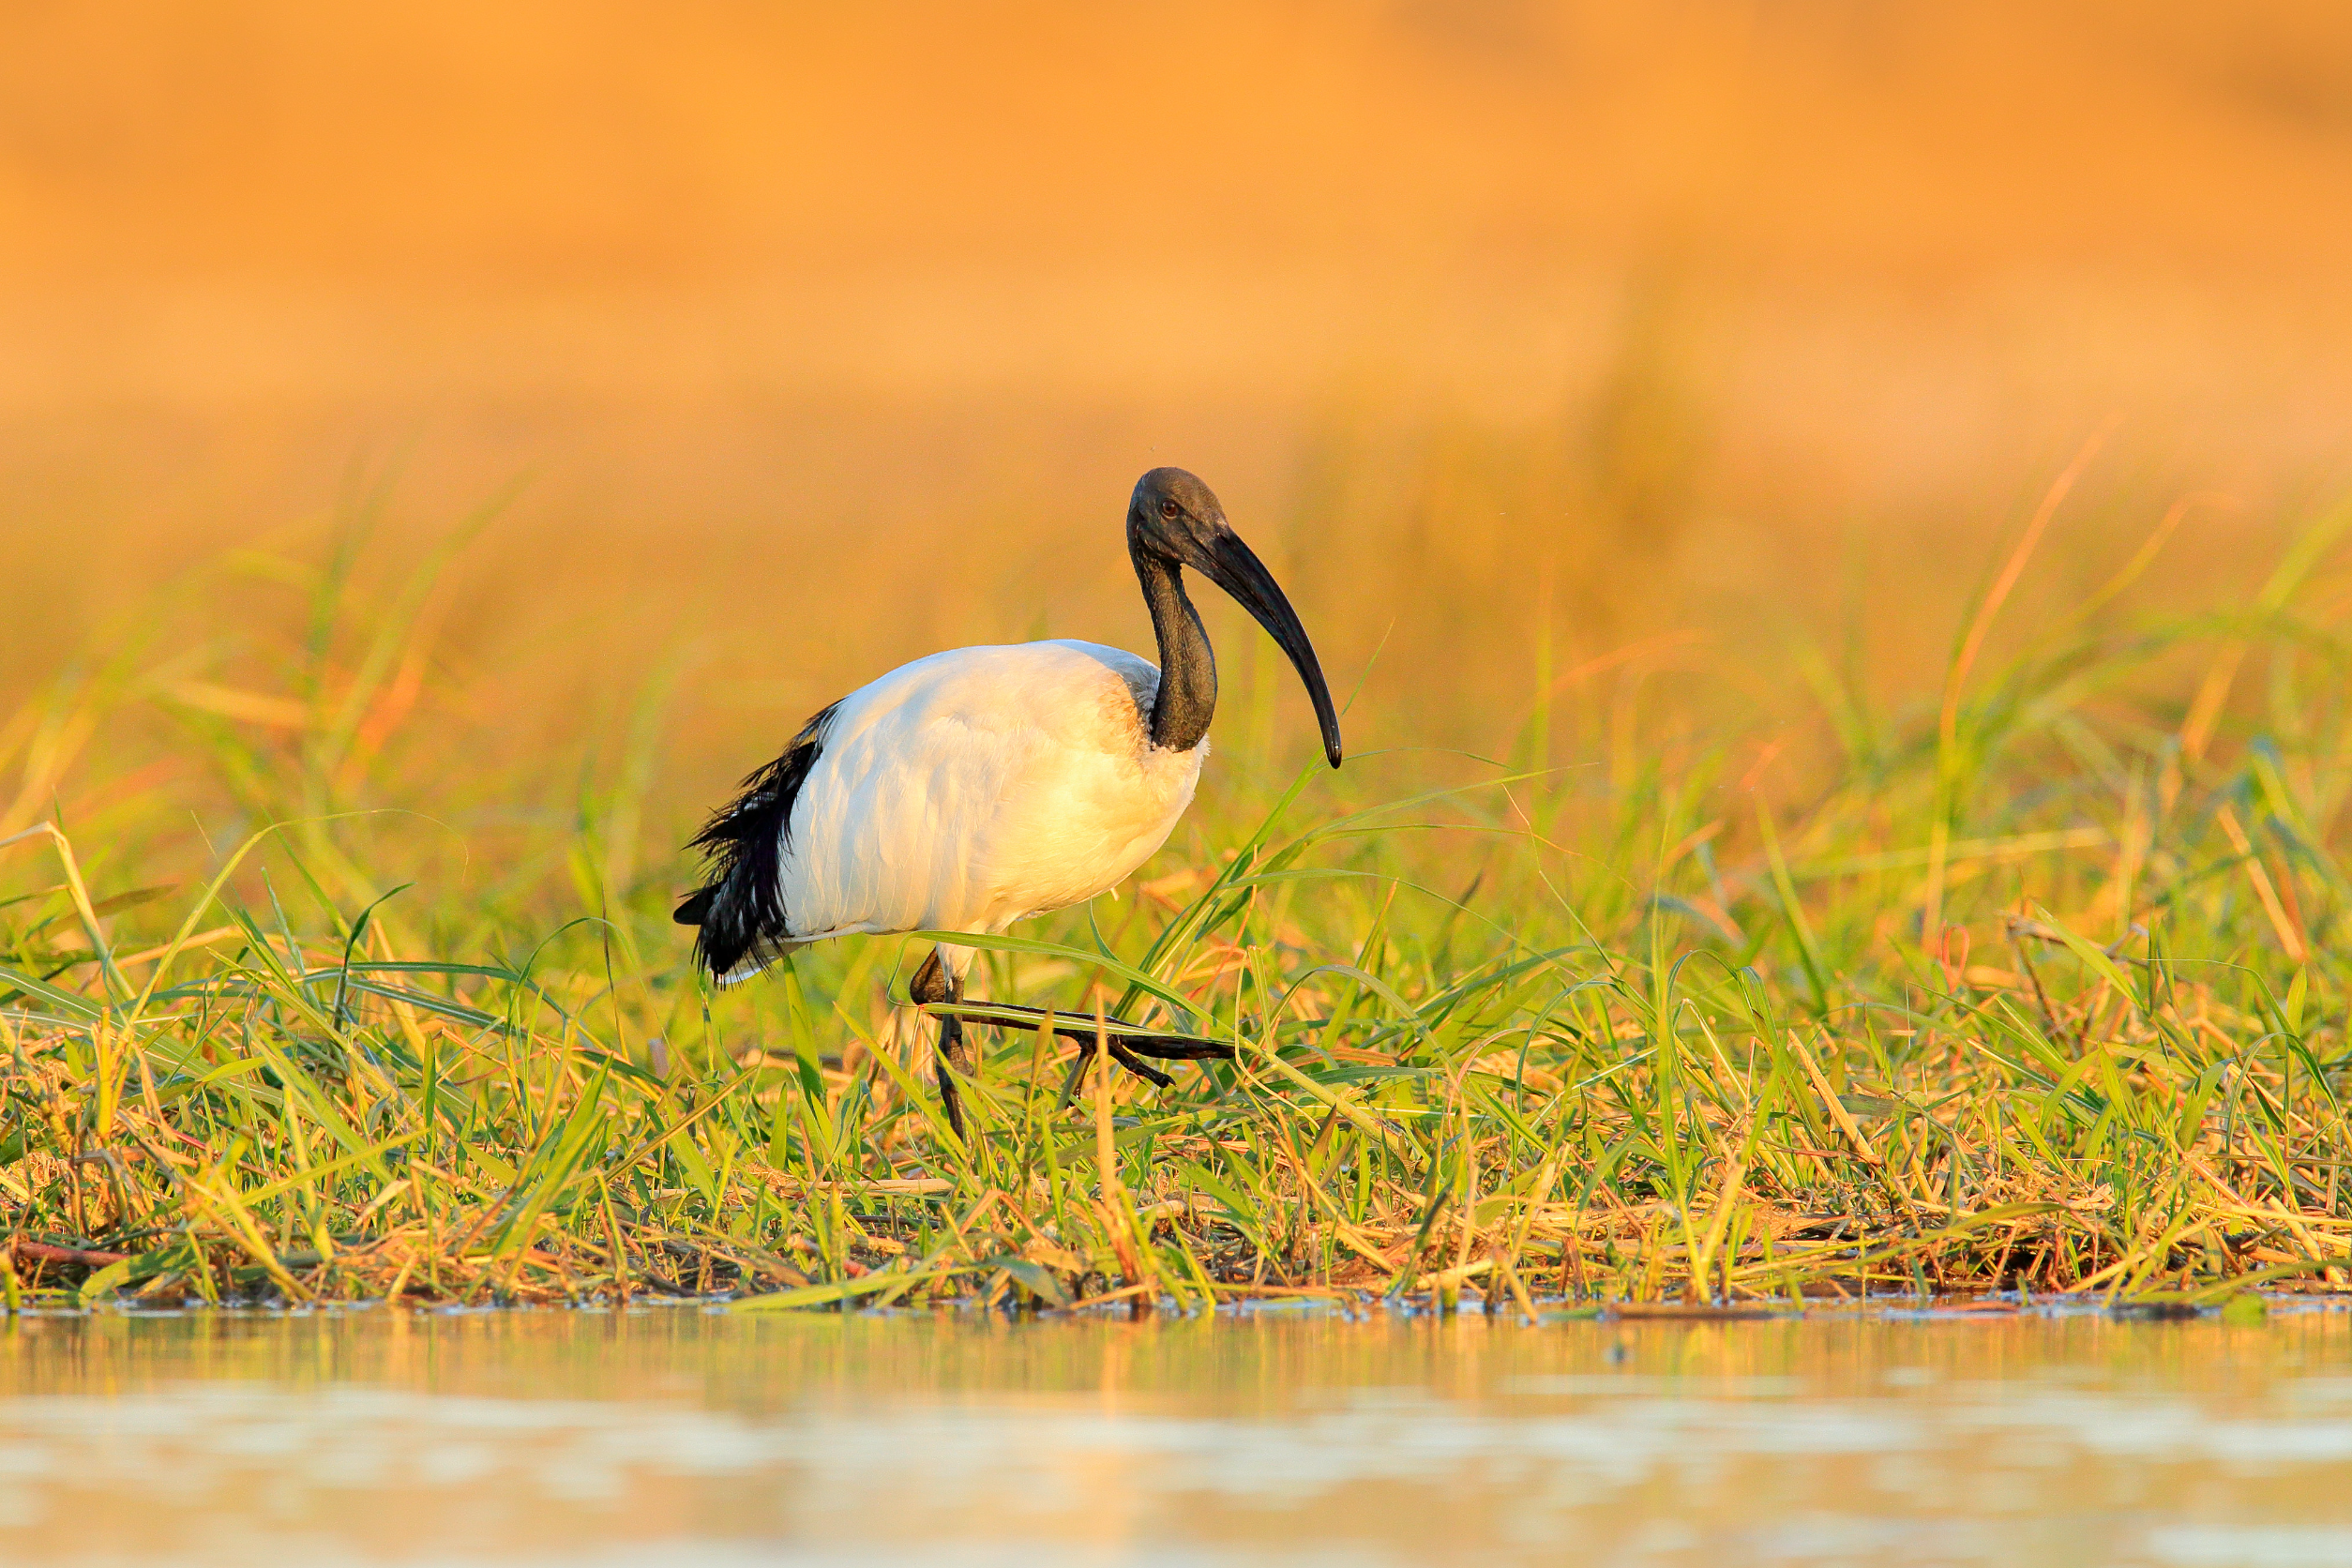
x=1126 y=1043
x=1126 y=1040
x=1119 y=1054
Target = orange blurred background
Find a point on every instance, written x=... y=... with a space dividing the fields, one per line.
x=817 y=337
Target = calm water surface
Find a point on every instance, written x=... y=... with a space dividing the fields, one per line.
x=689 y=1437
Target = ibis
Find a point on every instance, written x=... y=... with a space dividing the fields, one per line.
x=978 y=787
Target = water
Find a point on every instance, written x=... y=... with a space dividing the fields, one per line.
x=689 y=1437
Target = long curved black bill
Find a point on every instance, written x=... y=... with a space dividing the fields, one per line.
x=1233 y=567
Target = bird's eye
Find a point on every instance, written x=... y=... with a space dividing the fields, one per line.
x=1169 y=510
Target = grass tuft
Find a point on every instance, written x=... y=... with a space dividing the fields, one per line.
x=2031 y=983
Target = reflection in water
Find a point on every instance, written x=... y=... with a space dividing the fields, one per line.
x=682 y=1436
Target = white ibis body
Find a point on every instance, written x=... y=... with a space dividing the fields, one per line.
x=978 y=787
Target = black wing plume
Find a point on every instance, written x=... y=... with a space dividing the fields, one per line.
x=740 y=909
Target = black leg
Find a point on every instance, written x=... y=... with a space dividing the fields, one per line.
x=1120 y=1054
x=933 y=983
x=1121 y=1035
x=1127 y=1059
x=1077 y=1071
x=951 y=1039
x=934 y=987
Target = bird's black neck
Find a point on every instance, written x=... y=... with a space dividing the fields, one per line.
x=1188 y=670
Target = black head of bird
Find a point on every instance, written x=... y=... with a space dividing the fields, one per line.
x=1175 y=520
